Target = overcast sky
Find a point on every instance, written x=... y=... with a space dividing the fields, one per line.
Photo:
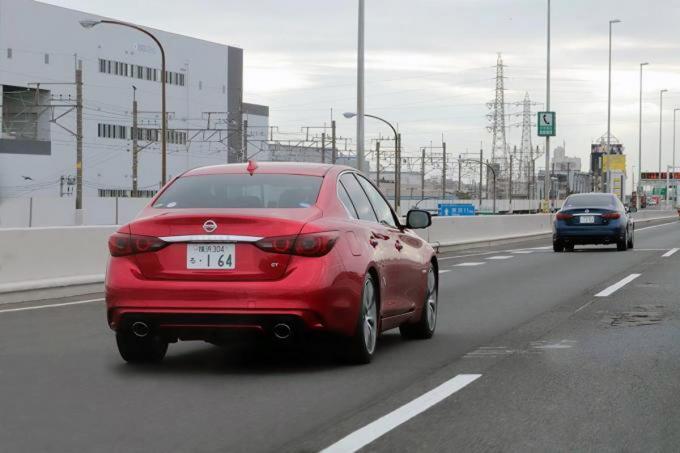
x=430 y=63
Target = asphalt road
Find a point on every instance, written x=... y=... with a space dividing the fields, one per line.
x=526 y=358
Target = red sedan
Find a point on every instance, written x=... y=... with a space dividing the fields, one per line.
x=275 y=249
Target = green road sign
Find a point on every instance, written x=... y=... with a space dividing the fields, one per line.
x=546 y=124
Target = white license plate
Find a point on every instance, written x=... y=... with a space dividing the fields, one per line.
x=587 y=219
x=211 y=256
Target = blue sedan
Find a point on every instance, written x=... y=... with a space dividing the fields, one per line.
x=593 y=218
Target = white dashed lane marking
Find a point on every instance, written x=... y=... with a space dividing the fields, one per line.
x=616 y=286
x=500 y=257
x=669 y=253
x=470 y=264
x=376 y=429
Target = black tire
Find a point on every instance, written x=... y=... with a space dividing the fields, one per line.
x=631 y=241
x=622 y=245
x=132 y=349
x=362 y=345
x=569 y=247
x=558 y=246
x=423 y=329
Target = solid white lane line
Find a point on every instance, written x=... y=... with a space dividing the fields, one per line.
x=364 y=436
x=470 y=264
x=522 y=252
x=500 y=257
x=670 y=253
x=656 y=226
x=542 y=248
x=616 y=286
x=63 y=304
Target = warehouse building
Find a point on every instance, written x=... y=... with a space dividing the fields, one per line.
x=208 y=122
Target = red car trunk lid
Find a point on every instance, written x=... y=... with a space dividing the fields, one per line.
x=240 y=227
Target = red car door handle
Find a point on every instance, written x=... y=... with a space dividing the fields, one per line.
x=398 y=245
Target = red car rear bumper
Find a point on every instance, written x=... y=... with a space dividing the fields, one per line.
x=315 y=294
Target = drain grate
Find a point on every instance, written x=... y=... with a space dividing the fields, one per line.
x=643 y=315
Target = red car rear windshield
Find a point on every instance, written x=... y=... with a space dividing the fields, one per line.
x=241 y=191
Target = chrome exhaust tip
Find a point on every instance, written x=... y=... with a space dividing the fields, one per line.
x=141 y=329
x=282 y=331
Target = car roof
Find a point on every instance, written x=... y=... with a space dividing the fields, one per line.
x=289 y=168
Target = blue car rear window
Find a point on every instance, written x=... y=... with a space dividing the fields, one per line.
x=591 y=201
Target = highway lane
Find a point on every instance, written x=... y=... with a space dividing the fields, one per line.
x=64 y=388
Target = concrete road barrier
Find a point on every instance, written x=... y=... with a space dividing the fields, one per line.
x=37 y=262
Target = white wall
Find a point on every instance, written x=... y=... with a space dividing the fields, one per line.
x=40 y=211
x=34 y=254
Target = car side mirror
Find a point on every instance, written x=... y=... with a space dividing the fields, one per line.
x=418 y=219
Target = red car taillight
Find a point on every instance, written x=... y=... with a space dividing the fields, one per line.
x=122 y=244
x=312 y=244
x=564 y=216
x=611 y=215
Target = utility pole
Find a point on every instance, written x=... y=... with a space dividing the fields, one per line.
x=568 y=181
x=514 y=153
x=323 y=147
x=422 y=174
x=397 y=175
x=79 y=142
x=460 y=176
x=135 y=148
x=377 y=164
x=244 y=153
x=334 y=155
x=443 y=170
x=481 y=175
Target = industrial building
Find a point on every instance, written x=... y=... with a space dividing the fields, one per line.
x=208 y=122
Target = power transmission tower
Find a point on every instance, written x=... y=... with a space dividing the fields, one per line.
x=526 y=150
x=497 y=115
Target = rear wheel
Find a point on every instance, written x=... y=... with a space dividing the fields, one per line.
x=631 y=241
x=134 y=349
x=362 y=344
x=569 y=247
x=622 y=245
x=558 y=246
x=424 y=327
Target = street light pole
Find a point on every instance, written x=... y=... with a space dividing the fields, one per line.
x=639 y=186
x=397 y=155
x=661 y=128
x=360 y=89
x=609 y=89
x=674 y=122
x=164 y=119
x=546 y=182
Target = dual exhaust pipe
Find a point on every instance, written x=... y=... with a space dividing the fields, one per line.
x=281 y=331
